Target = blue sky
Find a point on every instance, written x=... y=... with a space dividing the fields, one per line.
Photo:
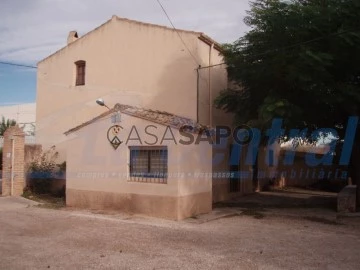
x=32 y=30
x=17 y=85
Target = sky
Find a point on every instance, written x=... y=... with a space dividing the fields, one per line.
x=30 y=30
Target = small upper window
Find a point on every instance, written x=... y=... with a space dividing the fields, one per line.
x=80 y=72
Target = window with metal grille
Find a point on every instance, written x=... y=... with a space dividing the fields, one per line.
x=148 y=164
x=80 y=72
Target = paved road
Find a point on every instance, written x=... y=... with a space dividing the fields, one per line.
x=37 y=238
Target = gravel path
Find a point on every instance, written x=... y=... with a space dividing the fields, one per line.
x=37 y=238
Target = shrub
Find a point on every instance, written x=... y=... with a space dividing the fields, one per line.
x=41 y=171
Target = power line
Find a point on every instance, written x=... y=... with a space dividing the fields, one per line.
x=168 y=17
x=17 y=65
x=309 y=41
x=293 y=45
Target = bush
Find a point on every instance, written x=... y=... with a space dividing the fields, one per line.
x=61 y=193
x=41 y=171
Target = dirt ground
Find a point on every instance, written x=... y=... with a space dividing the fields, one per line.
x=260 y=238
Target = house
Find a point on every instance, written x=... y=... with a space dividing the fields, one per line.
x=132 y=63
x=139 y=164
x=150 y=70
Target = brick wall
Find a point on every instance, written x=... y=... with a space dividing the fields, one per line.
x=13 y=135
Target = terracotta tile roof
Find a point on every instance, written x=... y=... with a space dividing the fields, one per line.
x=159 y=117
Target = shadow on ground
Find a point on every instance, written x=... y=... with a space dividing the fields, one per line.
x=290 y=203
x=287 y=198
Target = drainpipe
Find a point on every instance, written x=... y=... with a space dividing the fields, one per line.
x=12 y=165
x=197 y=93
x=210 y=94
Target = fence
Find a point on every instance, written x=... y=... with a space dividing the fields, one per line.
x=28 y=140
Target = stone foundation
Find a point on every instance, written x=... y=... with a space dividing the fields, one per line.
x=174 y=208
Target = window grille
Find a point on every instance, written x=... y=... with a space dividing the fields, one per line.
x=149 y=164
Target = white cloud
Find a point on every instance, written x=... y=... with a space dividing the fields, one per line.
x=40 y=27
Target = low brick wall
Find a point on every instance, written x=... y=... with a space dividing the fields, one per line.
x=299 y=174
x=346 y=200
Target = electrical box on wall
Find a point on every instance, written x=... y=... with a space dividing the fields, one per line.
x=116 y=118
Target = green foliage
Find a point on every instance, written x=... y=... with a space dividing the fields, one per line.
x=5 y=124
x=62 y=166
x=298 y=62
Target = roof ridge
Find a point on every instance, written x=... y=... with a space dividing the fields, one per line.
x=205 y=38
x=181 y=121
x=154 y=24
x=70 y=44
x=201 y=36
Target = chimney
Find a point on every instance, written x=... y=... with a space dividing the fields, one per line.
x=72 y=37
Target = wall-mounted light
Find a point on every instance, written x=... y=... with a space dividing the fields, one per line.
x=101 y=102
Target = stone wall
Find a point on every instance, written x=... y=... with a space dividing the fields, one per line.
x=301 y=174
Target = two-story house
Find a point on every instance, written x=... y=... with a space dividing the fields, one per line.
x=142 y=67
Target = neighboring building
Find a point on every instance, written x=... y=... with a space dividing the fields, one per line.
x=24 y=114
x=146 y=66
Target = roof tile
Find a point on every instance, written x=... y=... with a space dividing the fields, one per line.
x=160 y=117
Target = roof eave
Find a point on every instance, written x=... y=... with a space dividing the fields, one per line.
x=208 y=40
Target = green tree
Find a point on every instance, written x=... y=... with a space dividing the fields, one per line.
x=299 y=62
x=5 y=124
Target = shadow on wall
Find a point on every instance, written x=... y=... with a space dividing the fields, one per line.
x=178 y=95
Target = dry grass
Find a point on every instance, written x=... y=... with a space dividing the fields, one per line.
x=46 y=200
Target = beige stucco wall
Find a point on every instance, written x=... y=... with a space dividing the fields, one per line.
x=221 y=184
x=97 y=174
x=129 y=63
x=212 y=81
